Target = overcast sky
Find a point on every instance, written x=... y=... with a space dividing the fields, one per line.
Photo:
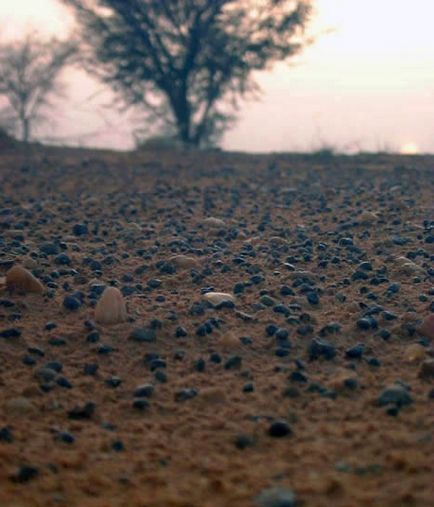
x=367 y=85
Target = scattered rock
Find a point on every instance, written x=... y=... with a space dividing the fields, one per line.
x=19 y=407
x=214 y=223
x=144 y=334
x=427 y=327
x=276 y=497
x=426 y=371
x=111 y=308
x=414 y=353
x=279 y=429
x=19 y=279
x=218 y=298
x=185 y=262
x=395 y=395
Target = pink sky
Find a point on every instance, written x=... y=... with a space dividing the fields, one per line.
x=368 y=85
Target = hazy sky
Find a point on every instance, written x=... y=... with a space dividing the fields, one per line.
x=369 y=84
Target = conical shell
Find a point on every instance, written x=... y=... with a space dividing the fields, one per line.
x=20 y=280
x=111 y=308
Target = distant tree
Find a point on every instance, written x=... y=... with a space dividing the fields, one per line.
x=188 y=62
x=29 y=72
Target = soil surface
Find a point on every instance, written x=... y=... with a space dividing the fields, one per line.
x=308 y=383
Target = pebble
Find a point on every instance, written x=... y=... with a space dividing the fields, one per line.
x=21 y=280
x=426 y=371
x=71 y=303
x=427 y=327
x=185 y=394
x=90 y=368
x=243 y=441
x=218 y=298
x=80 y=229
x=45 y=374
x=184 y=262
x=111 y=308
x=143 y=335
x=321 y=348
x=276 y=497
x=140 y=404
x=65 y=437
x=20 y=406
x=395 y=395
x=279 y=429
x=25 y=473
x=414 y=353
x=82 y=412
x=233 y=362
x=10 y=333
x=6 y=435
x=355 y=352
x=214 y=223
x=144 y=391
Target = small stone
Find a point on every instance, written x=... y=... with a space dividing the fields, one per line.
x=426 y=371
x=90 y=368
x=217 y=298
x=45 y=374
x=20 y=406
x=276 y=497
x=279 y=429
x=80 y=229
x=71 y=303
x=10 y=333
x=6 y=435
x=140 y=404
x=321 y=348
x=368 y=217
x=144 y=391
x=427 y=327
x=214 y=223
x=65 y=437
x=184 y=262
x=233 y=362
x=146 y=335
x=414 y=353
x=185 y=394
x=355 y=352
x=20 y=279
x=25 y=474
x=243 y=441
x=81 y=412
x=394 y=395
x=111 y=308
x=113 y=382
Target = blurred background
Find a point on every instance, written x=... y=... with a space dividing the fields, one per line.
x=366 y=84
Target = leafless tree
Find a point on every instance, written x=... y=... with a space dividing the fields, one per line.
x=29 y=78
x=188 y=62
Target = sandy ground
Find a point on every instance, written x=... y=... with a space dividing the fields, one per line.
x=313 y=386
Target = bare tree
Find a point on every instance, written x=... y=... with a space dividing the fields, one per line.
x=188 y=62
x=29 y=72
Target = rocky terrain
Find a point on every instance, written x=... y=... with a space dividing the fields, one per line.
x=215 y=330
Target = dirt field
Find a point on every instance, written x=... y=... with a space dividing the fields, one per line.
x=310 y=382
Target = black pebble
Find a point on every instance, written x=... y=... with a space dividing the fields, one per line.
x=71 y=303
x=279 y=429
x=25 y=473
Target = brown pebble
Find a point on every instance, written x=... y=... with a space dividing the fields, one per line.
x=414 y=353
x=426 y=371
x=184 y=261
x=427 y=327
x=111 y=308
x=20 y=279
